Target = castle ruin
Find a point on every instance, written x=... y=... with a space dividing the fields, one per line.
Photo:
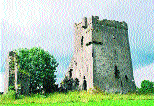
x=101 y=57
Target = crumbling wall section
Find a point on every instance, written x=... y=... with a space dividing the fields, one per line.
x=82 y=60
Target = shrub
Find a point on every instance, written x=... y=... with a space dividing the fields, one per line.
x=146 y=87
x=69 y=84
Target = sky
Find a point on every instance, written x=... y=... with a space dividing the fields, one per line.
x=49 y=24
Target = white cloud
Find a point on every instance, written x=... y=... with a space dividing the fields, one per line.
x=144 y=73
x=28 y=12
x=21 y=12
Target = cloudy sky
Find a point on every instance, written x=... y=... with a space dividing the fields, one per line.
x=49 y=24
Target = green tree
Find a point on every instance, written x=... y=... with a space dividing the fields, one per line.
x=146 y=87
x=40 y=66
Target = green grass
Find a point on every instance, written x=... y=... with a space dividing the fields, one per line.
x=100 y=103
x=77 y=98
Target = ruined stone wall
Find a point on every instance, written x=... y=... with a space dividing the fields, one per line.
x=82 y=60
x=12 y=76
x=87 y=55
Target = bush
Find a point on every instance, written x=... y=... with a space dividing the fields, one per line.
x=69 y=84
x=146 y=87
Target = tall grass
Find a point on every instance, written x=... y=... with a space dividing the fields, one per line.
x=72 y=96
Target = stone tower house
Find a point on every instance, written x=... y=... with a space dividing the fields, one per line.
x=101 y=57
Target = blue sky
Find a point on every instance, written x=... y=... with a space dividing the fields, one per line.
x=49 y=24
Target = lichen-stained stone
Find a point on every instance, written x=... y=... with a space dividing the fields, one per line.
x=102 y=55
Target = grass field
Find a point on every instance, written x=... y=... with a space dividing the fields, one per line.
x=100 y=103
x=77 y=98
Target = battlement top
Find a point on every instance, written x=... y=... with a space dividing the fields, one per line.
x=95 y=20
x=113 y=23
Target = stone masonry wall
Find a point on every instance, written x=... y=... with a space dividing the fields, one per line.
x=112 y=56
x=102 y=55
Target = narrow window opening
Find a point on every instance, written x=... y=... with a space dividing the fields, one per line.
x=121 y=84
x=126 y=77
x=70 y=73
x=117 y=73
x=115 y=52
x=82 y=41
x=84 y=84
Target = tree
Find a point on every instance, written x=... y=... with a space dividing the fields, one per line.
x=39 y=66
x=146 y=87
